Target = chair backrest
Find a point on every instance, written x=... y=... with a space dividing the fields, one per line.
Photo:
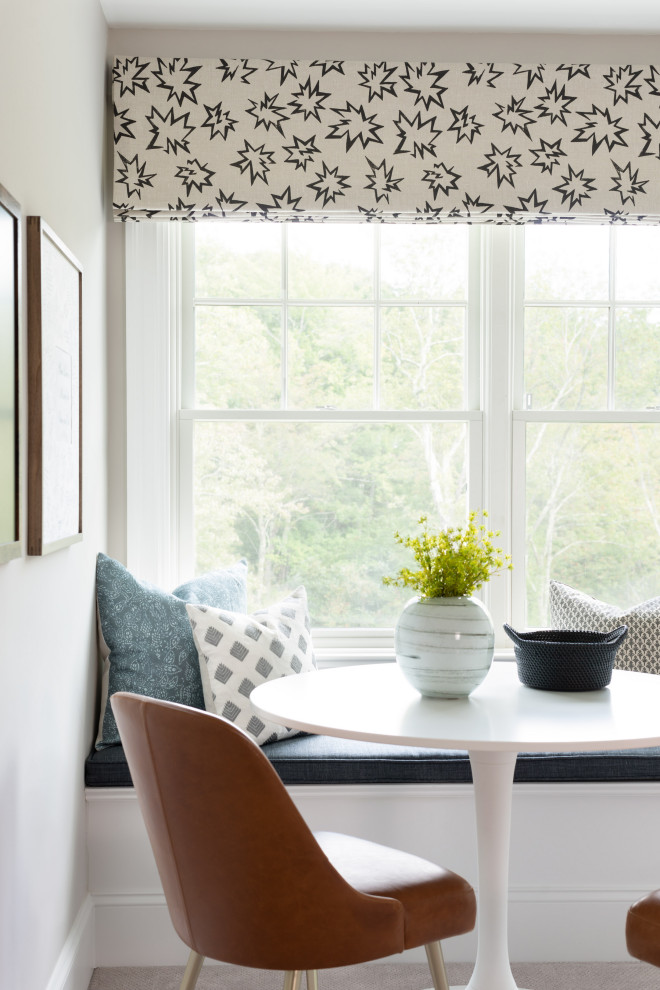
x=244 y=879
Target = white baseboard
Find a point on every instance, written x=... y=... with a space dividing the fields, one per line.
x=579 y=925
x=75 y=963
x=137 y=931
x=580 y=855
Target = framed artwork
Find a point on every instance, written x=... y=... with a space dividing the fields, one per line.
x=54 y=285
x=10 y=316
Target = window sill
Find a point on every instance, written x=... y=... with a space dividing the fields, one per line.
x=346 y=657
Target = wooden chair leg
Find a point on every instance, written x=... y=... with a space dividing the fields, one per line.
x=195 y=962
x=312 y=979
x=437 y=966
x=292 y=979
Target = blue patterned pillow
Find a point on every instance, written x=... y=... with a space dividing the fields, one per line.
x=148 y=638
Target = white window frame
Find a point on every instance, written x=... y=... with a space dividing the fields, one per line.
x=160 y=416
x=521 y=417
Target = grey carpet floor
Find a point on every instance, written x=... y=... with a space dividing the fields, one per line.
x=388 y=976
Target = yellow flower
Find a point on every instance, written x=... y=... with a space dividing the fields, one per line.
x=455 y=561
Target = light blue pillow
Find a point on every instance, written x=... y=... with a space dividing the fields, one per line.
x=149 y=644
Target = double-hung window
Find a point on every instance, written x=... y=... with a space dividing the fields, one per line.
x=299 y=392
x=586 y=424
x=330 y=397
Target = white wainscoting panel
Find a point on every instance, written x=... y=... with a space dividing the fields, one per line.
x=580 y=855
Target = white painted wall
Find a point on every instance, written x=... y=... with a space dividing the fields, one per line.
x=52 y=81
x=569 y=898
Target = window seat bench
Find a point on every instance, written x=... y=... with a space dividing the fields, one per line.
x=585 y=824
x=310 y=759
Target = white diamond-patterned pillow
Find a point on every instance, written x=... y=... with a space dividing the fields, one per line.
x=237 y=652
x=640 y=650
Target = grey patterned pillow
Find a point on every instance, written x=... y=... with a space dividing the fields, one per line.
x=145 y=636
x=571 y=609
x=238 y=652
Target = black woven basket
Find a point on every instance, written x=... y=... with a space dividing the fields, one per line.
x=564 y=659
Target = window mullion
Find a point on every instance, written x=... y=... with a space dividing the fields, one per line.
x=186 y=336
x=518 y=535
x=183 y=537
x=611 y=321
x=518 y=431
x=472 y=389
x=185 y=534
x=285 y=317
x=377 y=321
x=498 y=310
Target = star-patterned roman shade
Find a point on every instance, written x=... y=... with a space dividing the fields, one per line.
x=256 y=139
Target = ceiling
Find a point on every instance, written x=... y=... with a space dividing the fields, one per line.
x=586 y=16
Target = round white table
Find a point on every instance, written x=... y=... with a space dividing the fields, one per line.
x=500 y=719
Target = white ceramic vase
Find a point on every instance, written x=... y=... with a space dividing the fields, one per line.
x=444 y=646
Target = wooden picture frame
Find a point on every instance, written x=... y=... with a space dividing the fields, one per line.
x=54 y=285
x=11 y=545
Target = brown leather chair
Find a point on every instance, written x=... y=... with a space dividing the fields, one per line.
x=643 y=929
x=247 y=882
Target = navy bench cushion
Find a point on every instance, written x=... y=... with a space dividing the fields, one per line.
x=328 y=760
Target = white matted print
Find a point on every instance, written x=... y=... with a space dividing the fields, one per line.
x=54 y=375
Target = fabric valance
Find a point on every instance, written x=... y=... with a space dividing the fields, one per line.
x=258 y=139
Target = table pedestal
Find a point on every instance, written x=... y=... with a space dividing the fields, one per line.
x=492 y=773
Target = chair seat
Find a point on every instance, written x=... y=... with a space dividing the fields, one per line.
x=437 y=903
x=643 y=929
